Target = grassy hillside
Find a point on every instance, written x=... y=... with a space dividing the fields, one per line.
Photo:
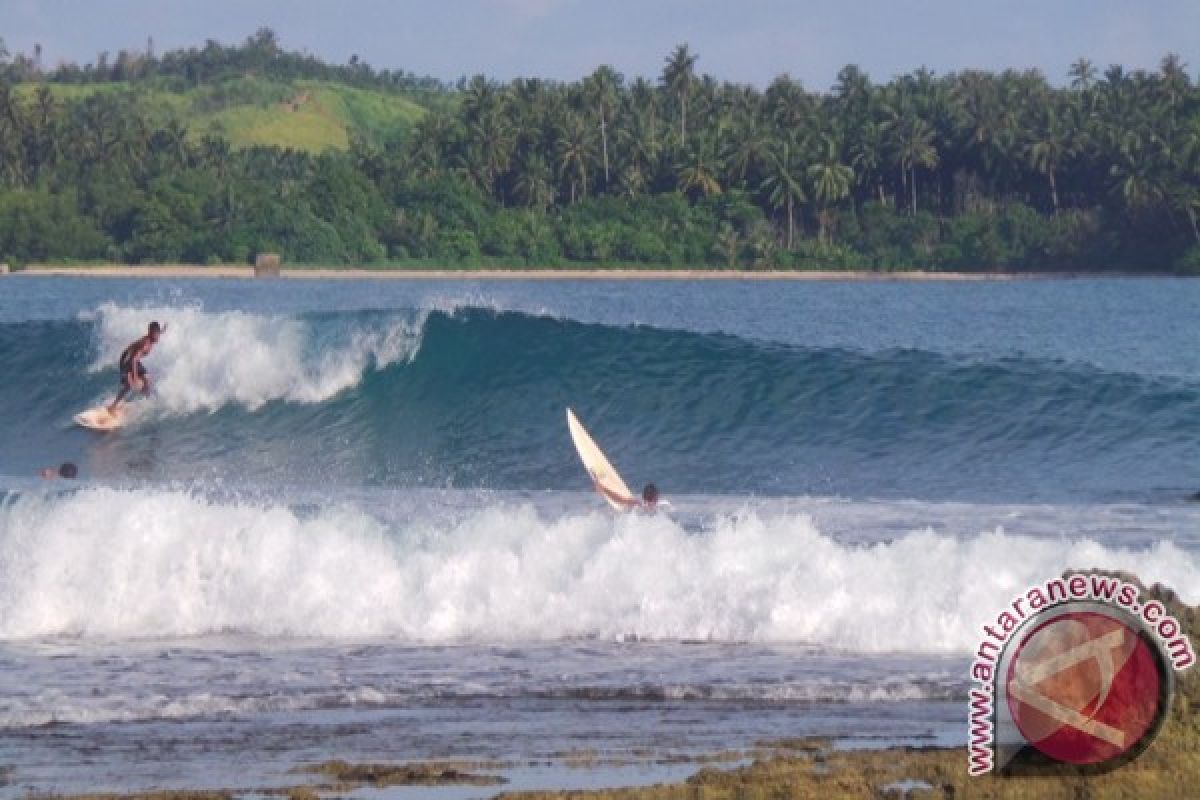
x=303 y=114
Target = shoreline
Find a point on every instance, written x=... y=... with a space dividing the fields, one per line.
x=810 y=766
x=804 y=767
x=526 y=274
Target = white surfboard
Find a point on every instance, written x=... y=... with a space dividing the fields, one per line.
x=100 y=419
x=597 y=465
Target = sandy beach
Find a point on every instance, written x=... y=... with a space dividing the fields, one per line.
x=401 y=273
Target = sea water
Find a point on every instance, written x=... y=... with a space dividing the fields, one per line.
x=349 y=522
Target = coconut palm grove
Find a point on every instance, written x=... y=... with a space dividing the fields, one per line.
x=213 y=154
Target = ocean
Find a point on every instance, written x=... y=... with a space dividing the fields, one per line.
x=349 y=523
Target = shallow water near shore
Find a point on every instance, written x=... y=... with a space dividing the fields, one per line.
x=350 y=524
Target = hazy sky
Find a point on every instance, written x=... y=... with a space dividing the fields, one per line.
x=748 y=41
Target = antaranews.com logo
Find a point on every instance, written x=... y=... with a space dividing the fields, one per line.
x=1076 y=671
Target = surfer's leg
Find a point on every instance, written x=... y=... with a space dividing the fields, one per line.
x=124 y=390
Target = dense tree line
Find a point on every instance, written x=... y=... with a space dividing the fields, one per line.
x=180 y=69
x=971 y=170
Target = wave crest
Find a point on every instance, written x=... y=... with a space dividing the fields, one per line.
x=233 y=357
x=136 y=563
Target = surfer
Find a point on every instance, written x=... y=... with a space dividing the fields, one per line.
x=649 y=497
x=133 y=374
x=648 y=503
x=64 y=470
x=604 y=478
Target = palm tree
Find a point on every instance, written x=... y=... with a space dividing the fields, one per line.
x=489 y=145
x=12 y=151
x=574 y=150
x=747 y=150
x=480 y=98
x=1052 y=144
x=424 y=151
x=641 y=148
x=1137 y=177
x=988 y=119
x=1176 y=85
x=867 y=156
x=643 y=101
x=852 y=89
x=788 y=105
x=1082 y=74
x=718 y=103
x=677 y=77
x=42 y=141
x=632 y=180
x=1114 y=90
x=533 y=185
x=1182 y=193
x=830 y=180
x=698 y=174
x=783 y=185
x=602 y=88
x=1188 y=152
x=914 y=147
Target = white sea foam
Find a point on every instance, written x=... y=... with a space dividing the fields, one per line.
x=207 y=360
x=153 y=562
x=54 y=706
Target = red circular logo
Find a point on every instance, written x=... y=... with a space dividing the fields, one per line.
x=1085 y=688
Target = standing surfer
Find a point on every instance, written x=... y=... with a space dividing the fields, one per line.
x=133 y=374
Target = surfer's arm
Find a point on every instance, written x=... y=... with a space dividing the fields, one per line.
x=139 y=377
x=628 y=502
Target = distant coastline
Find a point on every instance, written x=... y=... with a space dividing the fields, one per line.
x=590 y=273
x=219 y=154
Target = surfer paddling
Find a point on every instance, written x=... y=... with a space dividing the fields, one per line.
x=604 y=477
x=133 y=374
x=648 y=501
x=64 y=470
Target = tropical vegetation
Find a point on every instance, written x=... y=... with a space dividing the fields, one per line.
x=202 y=155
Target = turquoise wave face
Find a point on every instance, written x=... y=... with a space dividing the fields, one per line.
x=474 y=398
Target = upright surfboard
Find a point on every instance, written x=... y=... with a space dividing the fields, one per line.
x=597 y=465
x=100 y=419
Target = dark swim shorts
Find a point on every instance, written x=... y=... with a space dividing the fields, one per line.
x=141 y=370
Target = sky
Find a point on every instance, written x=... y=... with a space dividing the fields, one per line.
x=746 y=41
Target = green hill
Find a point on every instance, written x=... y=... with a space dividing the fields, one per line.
x=308 y=115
